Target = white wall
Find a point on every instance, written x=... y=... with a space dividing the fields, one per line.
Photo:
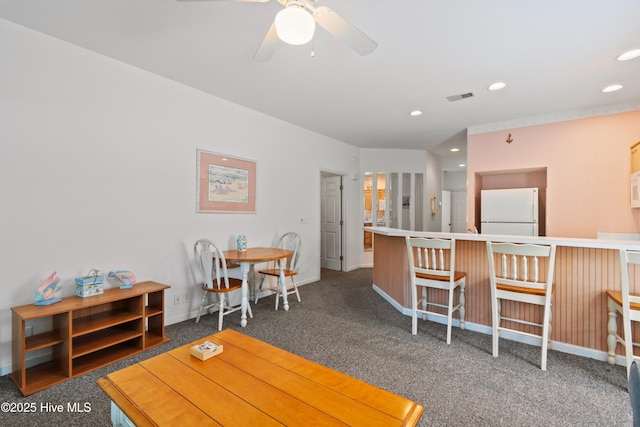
x=433 y=187
x=97 y=169
x=454 y=181
x=387 y=160
x=408 y=161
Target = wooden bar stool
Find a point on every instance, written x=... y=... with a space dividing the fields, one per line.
x=516 y=274
x=628 y=305
x=432 y=264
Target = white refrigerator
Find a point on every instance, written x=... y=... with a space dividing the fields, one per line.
x=511 y=211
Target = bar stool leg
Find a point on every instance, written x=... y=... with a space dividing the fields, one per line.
x=461 y=302
x=612 y=329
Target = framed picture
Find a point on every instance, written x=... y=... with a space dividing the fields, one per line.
x=225 y=183
x=406 y=202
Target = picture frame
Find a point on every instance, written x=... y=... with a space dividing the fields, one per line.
x=406 y=202
x=225 y=183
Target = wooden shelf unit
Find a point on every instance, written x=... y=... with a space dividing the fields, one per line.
x=86 y=333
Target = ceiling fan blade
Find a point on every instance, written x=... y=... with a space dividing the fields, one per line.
x=344 y=31
x=268 y=45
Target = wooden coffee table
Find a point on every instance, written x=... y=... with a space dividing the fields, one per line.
x=251 y=383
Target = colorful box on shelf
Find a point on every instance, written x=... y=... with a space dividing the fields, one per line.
x=89 y=286
x=206 y=350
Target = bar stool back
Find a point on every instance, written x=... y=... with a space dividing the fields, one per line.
x=432 y=265
x=517 y=274
x=628 y=305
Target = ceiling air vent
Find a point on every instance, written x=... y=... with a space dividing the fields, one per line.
x=459 y=97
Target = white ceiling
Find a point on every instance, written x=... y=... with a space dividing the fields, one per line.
x=554 y=55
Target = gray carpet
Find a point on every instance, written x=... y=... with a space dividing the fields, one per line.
x=342 y=323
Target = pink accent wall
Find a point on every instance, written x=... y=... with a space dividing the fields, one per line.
x=587 y=165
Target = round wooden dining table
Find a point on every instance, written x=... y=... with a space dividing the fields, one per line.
x=247 y=259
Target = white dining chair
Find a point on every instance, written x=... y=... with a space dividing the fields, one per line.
x=432 y=265
x=521 y=274
x=215 y=280
x=291 y=242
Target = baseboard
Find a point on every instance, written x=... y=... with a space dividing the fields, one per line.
x=31 y=360
x=194 y=313
x=555 y=345
x=364 y=265
x=484 y=329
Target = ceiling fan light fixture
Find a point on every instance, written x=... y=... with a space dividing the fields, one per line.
x=612 y=88
x=294 y=25
x=631 y=54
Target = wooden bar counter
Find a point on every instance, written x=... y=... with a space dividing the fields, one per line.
x=584 y=270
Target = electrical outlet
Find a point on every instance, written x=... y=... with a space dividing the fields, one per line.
x=185 y=297
x=28 y=331
x=177 y=299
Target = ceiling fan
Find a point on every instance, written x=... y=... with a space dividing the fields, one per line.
x=296 y=23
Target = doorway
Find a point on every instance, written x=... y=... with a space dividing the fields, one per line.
x=454 y=211
x=446 y=211
x=331 y=221
x=459 y=211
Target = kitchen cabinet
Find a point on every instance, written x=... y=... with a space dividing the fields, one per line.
x=635 y=157
x=368 y=205
x=635 y=175
x=368 y=238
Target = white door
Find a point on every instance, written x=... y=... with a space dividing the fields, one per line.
x=446 y=211
x=331 y=223
x=459 y=211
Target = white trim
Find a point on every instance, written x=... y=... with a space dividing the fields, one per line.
x=36 y=359
x=574 y=242
x=390 y=300
x=553 y=118
x=484 y=329
x=476 y=327
x=194 y=313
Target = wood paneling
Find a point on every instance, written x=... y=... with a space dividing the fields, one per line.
x=393 y=278
x=581 y=278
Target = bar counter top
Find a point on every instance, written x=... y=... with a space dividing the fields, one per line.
x=558 y=241
x=585 y=269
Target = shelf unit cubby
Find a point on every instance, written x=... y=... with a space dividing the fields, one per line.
x=86 y=333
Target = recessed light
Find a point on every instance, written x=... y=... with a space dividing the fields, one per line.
x=497 y=86
x=455 y=149
x=415 y=113
x=612 y=88
x=629 y=55
x=462 y=165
